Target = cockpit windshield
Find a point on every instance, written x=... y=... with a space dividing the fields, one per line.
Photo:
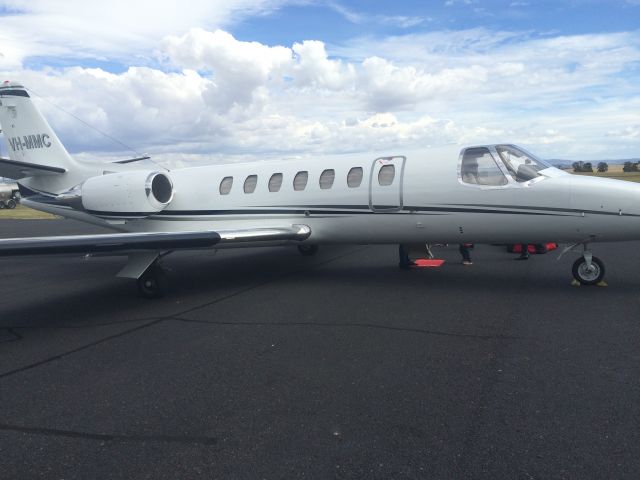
x=521 y=165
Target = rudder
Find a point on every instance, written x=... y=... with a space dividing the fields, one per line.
x=28 y=137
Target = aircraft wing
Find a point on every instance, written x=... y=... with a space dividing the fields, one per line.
x=124 y=243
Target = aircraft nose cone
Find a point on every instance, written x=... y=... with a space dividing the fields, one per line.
x=634 y=204
x=604 y=195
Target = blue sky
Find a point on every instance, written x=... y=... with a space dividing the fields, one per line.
x=228 y=79
x=338 y=22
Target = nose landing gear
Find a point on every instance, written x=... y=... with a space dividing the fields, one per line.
x=588 y=270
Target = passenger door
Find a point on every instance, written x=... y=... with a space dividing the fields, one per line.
x=385 y=184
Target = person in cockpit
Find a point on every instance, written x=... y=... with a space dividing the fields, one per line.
x=521 y=168
x=470 y=171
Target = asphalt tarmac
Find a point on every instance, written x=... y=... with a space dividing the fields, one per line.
x=262 y=363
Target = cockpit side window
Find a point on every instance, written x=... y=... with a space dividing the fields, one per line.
x=521 y=165
x=480 y=168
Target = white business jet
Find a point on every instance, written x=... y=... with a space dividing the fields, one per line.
x=496 y=194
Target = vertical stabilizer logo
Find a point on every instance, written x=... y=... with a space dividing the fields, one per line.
x=29 y=142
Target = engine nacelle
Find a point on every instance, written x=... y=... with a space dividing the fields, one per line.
x=134 y=193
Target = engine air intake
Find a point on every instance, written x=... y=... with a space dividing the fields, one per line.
x=161 y=188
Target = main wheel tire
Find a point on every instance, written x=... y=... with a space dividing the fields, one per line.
x=1 y=205
x=152 y=283
x=11 y=203
x=586 y=275
x=308 y=250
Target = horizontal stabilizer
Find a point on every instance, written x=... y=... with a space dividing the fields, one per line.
x=132 y=160
x=17 y=170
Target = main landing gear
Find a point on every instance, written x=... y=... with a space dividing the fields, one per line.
x=153 y=282
x=587 y=270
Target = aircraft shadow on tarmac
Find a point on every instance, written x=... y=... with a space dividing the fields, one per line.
x=198 y=278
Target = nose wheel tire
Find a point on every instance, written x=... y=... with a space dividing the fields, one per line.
x=308 y=250
x=588 y=275
x=11 y=203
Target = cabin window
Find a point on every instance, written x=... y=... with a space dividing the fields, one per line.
x=225 y=185
x=300 y=180
x=354 y=177
x=250 y=183
x=386 y=175
x=480 y=168
x=326 y=178
x=275 y=182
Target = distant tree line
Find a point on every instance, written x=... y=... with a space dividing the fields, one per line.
x=588 y=167
x=630 y=167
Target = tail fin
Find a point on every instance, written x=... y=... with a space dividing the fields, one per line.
x=30 y=141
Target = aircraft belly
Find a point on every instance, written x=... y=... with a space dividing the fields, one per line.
x=517 y=228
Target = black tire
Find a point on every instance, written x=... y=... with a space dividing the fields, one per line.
x=585 y=276
x=152 y=283
x=11 y=203
x=308 y=250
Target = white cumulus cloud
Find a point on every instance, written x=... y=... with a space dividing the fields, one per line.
x=209 y=95
x=109 y=29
